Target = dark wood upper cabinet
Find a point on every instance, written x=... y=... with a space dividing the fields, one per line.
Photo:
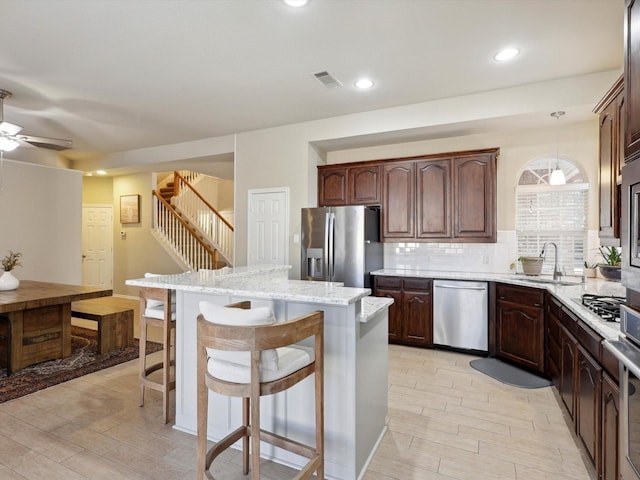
x=332 y=186
x=343 y=185
x=448 y=197
x=632 y=79
x=365 y=185
x=434 y=198
x=398 y=200
x=611 y=151
x=474 y=185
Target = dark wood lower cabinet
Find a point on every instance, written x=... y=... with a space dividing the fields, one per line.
x=585 y=375
x=520 y=326
x=609 y=469
x=417 y=329
x=567 y=388
x=589 y=380
x=410 y=316
x=395 y=312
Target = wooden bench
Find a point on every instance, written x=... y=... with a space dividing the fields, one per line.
x=115 y=323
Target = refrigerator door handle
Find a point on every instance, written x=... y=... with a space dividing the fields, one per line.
x=331 y=256
x=325 y=256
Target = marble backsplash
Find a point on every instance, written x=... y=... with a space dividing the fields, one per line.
x=464 y=257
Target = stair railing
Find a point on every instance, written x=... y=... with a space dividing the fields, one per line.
x=207 y=220
x=182 y=238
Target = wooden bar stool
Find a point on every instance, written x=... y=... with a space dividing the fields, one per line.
x=157 y=309
x=243 y=353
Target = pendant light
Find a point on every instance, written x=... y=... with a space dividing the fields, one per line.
x=557 y=175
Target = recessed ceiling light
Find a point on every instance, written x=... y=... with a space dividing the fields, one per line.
x=506 y=54
x=364 y=83
x=101 y=172
x=296 y=3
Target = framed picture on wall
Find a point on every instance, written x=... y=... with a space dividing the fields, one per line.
x=130 y=209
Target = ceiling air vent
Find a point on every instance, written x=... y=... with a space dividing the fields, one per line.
x=327 y=79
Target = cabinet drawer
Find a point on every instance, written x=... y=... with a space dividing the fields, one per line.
x=388 y=282
x=531 y=297
x=610 y=364
x=569 y=320
x=590 y=340
x=417 y=284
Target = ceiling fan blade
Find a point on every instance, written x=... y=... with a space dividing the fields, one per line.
x=45 y=142
x=9 y=128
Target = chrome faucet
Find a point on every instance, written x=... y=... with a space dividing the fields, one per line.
x=556 y=267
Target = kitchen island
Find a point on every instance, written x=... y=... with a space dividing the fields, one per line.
x=355 y=372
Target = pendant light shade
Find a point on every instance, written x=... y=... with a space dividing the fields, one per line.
x=557 y=175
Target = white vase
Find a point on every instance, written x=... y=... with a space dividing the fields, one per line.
x=8 y=281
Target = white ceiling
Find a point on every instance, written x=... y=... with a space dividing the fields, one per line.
x=120 y=75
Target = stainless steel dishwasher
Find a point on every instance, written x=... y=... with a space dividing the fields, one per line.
x=461 y=314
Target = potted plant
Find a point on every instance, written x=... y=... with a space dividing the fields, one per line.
x=9 y=262
x=531 y=265
x=613 y=258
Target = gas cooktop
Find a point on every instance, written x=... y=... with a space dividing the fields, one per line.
x=605 y=306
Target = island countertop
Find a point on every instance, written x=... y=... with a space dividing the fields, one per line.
x=262 y=281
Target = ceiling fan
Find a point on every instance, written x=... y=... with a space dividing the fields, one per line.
x=10 y=137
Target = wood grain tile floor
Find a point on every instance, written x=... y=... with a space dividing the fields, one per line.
x=446 y=421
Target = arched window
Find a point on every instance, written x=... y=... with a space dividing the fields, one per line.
x=558 y=214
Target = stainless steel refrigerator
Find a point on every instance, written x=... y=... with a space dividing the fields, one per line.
x=341 y=244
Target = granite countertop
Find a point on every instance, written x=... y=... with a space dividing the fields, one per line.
x=371 y=306
x=266 y=281
x=569 y=295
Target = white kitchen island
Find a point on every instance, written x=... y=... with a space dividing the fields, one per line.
x=355 y=375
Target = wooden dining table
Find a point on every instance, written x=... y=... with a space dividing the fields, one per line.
x=37 y=319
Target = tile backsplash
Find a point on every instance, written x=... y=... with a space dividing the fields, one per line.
x=462 y=257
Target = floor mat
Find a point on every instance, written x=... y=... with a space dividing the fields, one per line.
x=509 y=374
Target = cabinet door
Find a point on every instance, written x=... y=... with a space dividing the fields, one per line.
x=632 y=79
x=589 y=379
x=474 y=192
x=567 y=371
x=608 y=172
x=609 y=469
x=395 y=313
x=417 y=329
x=332 y=186
x=520 y=334
x=365 y=185
x=398 y=207
x=433 y=189
x=553 y=346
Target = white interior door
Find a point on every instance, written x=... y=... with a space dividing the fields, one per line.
x=97 y=246
x=268 y=229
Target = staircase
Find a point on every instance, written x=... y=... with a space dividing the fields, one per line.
x=191 y=230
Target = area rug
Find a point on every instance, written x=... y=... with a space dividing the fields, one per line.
x=509 y=374
x=84 y=359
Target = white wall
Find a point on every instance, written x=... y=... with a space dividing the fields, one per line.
x=284 y=156
x=41 y=217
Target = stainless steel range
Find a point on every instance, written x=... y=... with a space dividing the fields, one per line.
x=605 y=306
x=627 y=351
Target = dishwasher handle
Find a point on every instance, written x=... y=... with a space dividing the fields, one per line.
x=460 y=287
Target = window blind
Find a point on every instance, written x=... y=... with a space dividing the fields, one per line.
x=553 y=214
